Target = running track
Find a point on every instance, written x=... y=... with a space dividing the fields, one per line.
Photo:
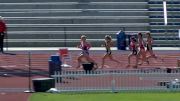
x=14 y=68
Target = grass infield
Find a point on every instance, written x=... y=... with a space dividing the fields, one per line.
x=106 y=97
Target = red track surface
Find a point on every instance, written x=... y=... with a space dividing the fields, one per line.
x=11 y=64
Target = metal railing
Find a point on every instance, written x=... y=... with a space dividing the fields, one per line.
x=118 y=80
x=18 y=68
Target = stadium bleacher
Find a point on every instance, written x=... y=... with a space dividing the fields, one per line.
x=166 y=35
x=60 y=23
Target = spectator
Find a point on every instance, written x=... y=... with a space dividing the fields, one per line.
x=3 y=30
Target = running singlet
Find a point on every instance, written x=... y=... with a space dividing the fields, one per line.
x=141 y=45
x=85 y=48
x=149 y=44
x=133 y=47
x=108 y=50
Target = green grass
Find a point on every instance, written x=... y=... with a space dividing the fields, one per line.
x=106 y=97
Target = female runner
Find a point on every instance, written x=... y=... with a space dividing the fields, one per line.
x=85 y=46
x=108 y=44
x=133 y=47
x=149 y=50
